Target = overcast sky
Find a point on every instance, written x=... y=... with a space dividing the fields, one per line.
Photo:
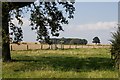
x=90 y=19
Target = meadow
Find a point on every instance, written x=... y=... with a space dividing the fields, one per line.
x=68 y=63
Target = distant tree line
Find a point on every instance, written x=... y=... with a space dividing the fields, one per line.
x=71 y=41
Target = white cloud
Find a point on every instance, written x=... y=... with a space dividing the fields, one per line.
x=97 y=26
x=89 y=26
x=88 y=29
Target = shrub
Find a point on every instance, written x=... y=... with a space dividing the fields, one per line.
x=115 y=49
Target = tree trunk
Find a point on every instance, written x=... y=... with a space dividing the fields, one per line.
x=5 y=27
x=5 y=36
x=119 y=67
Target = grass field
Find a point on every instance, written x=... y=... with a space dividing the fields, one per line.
x=71 y=63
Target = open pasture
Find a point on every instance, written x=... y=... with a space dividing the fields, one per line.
x=68 y=63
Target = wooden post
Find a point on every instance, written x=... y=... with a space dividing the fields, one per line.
x=63 y=46
x=49 y=46
x=103 y=46
x=11 y=47
x=55 y=43
x=55 y=46
x=27 y=47
x=70 y=46
x=41 y=46
x=76 y=46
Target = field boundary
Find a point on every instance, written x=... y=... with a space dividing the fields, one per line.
x=54 y=46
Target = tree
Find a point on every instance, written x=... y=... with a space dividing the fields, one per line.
x=84 y=41
x=44 y=16
x=115 y=49
x=0 y=37
x=96 y=40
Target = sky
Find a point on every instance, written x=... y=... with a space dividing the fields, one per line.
x=91 y=19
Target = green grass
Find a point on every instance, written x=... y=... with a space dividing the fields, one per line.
x=71 y=63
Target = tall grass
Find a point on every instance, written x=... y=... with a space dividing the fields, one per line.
x=70 y=63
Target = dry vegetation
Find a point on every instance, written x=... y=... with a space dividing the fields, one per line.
x=34 y=46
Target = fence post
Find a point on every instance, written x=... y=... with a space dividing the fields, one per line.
x=48 y=46
x=27 y=47
x=75 y=46
x=41 y=46
x=51 y=46
x=70 y=46
x=55 y=46
x=61 y=45
x=11 y=47
x=103 y=46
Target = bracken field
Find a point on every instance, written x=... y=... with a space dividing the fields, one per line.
x=68 y=63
